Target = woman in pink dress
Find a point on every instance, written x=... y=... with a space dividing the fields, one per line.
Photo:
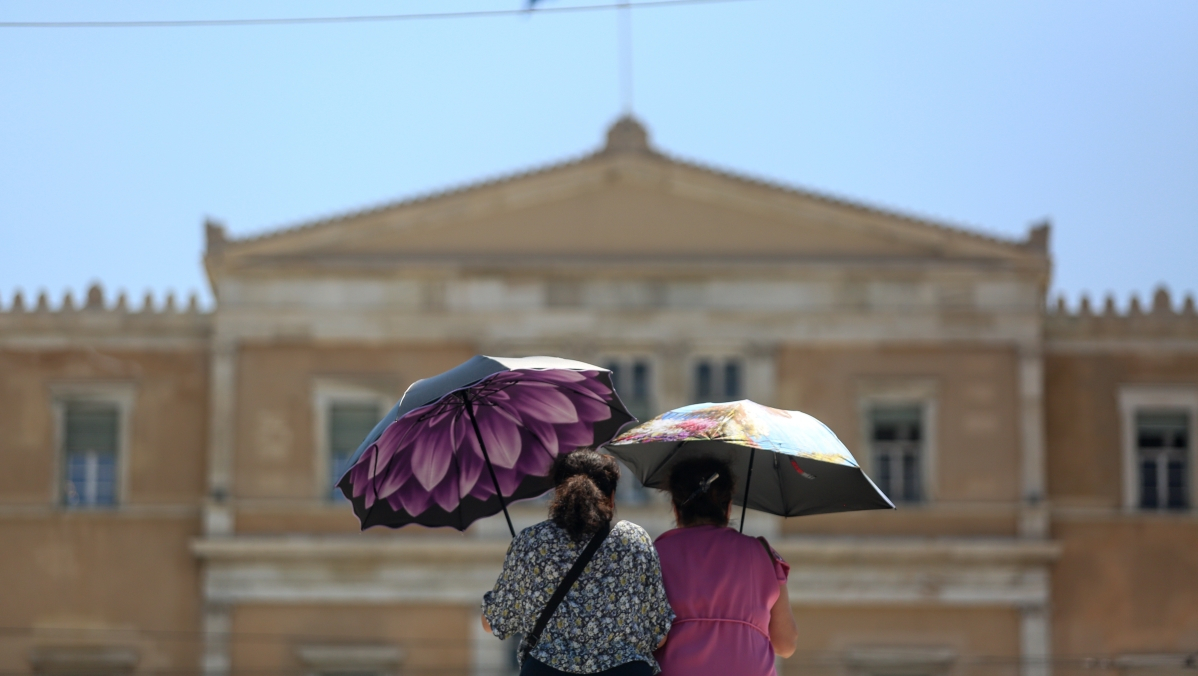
x=728 y=590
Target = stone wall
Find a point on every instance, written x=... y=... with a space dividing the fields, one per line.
x=102 y=588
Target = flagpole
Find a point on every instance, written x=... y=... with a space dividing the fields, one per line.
x=625 y=30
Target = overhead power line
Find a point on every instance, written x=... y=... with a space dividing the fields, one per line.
x=366 y=18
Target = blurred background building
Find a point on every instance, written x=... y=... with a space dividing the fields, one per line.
x=166 y=501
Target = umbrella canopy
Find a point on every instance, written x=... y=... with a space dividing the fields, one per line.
x=802 y=468
x=458 y=446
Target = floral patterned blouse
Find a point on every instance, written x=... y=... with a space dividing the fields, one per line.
x=617 y=611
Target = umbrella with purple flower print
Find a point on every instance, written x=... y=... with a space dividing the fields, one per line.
x=458 y=446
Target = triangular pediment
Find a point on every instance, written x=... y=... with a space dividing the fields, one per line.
x=631 y=203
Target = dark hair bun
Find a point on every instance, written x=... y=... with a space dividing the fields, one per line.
x=698 y=497
x=585 y=482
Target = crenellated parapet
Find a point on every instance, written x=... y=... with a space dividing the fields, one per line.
x=1163 y=319
x=44 y=323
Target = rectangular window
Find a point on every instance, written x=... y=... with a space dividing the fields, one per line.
x=633 y=380
x=91 y=439
x=896 y=443
x=704 y=382
x=732 y=388
x=718 y=380
x=349 y=424
x=1162 y=454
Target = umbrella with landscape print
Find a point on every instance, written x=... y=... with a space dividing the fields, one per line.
x=802 y=467
x=460 y=445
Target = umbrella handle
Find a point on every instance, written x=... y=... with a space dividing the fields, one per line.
x=494 y=479
x=744 y=503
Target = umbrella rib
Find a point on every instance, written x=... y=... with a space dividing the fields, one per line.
x=590 y=395
x=374 y=476
x=461 y=517
x=544 y=446
x=781 y=487
x=482 y=445
x=653 y=476
x=582 y=393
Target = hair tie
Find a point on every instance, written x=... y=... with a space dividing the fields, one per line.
x=704 y=486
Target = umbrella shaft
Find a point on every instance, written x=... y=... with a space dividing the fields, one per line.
x=744 y=503
x=495 y=480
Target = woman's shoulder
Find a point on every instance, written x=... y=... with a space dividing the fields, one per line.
x=631 y=534
x=537 y=534
x=754 y=544
x=536 y=529
x=547 y=531
x=628 y=528
x=754 y=547
x=728 y=538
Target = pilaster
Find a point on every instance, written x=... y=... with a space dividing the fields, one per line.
x=1035 y=640
x=218 y=623
x=1033 y=520
x=222 y=404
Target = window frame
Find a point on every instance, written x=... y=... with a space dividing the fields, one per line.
x=1134 y=399
x=913 y=392
x=120 y=394
x=627 y=360
x=326 y=393
x=638 y=496
x=719 y=361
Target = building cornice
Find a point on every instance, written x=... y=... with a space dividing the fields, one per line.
x=361 y=264
x=99 y=325
x=1162 y=326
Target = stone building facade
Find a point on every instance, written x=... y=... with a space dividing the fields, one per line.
x=166 y=503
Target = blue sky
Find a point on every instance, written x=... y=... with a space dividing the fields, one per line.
x=116 y=143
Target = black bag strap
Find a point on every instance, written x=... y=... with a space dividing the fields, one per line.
x=768 y=549
x=568 y=581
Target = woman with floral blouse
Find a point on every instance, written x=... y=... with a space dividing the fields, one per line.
x=616 y=613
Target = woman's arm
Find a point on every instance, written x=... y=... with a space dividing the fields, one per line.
x=784 y=633
x=657 y=601
x=499 y=604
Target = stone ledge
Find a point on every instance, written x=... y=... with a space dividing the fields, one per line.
x=83 y=660
x=900 y=550
x=796 y=550
x=425 y=549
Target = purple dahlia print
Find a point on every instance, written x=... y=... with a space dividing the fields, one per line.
x=429 y=468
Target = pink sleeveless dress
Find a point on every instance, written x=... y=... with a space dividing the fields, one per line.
x=721 y=585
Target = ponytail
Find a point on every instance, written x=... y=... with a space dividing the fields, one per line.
x=701 y=490
x=585 y=481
